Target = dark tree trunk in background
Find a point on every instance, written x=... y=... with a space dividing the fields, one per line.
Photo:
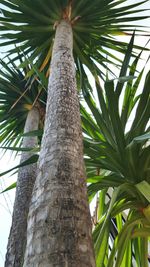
x=25 y=182
x=59 y=225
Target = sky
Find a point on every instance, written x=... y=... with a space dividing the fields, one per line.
x=6 y=201
x=7 y=161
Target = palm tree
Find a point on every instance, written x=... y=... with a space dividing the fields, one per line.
x=18 y=94
x=59 y=227
x=117 y=158
x=25 y=183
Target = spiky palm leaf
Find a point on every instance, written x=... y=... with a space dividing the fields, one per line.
x=18 y=94
x=117 y=157
x=31 y=25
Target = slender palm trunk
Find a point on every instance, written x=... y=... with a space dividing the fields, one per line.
x=25 y=182
x=59 y=225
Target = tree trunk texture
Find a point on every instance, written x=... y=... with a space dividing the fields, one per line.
x=25 y=182
x=59 y=224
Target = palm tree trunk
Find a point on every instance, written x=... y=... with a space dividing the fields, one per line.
x=59 y=225
x=25 y=182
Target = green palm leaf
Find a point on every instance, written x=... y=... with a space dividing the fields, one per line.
x=94 y=24
x=18 y=94
x=118 y=157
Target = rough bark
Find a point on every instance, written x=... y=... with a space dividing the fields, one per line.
x=25 y=182
x=59 y=225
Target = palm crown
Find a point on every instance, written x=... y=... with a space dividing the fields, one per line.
x=31 y=24
x=18 y=94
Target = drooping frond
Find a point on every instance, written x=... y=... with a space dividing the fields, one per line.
x=18 y=94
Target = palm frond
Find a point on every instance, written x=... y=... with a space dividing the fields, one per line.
x=18 y=94
x=118 y=157
x=30 y=25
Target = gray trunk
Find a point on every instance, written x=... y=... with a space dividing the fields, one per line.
x=59 y=225
x=25 y=182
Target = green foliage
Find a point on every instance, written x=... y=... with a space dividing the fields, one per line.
x=117 y=157
x=12 y=186
x=30 y=26
x=18 y=93
x=30 y=160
